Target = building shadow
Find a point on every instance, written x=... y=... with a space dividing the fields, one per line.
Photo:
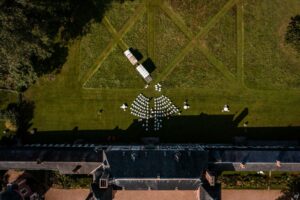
x=241 y=116
x=52 y=64
x=202 y=128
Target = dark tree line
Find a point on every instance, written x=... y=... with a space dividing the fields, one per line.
x=34 y=36
x=292 y=36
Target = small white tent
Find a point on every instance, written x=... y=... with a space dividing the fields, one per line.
x=144 y=73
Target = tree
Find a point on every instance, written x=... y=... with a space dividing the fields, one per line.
x=292 y=36
x=32 y=30
x=292 y=191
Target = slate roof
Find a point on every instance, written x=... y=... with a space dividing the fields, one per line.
x=156 y=163
x=50 y=154
x=255 y=167
x=254 y=155
x=63 y=159
x=255 y=159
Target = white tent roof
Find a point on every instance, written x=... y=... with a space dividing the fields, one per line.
x=142 y=71
x=130 y=57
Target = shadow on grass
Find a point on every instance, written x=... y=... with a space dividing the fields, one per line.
x=52 y=64
x=203 y=128
x=149 y=65
x=137 y=54
x=23 y=112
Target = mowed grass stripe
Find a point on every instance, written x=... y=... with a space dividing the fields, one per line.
x=73 y=73
x=240 y=42
x=218 y=64
x=217 y=17
x=113 y=31
x=140 y=11
x=194 y=42
x=78 y=59
x=177 y=20
x=181 y=25
x=151 y=25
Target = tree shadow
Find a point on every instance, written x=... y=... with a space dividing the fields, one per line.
x=24 y=112
x=149 y=65
x=292 y=35
x=53 y=63
x=26 y=109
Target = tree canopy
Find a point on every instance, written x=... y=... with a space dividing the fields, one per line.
x=293 y=32
x=292 y=191
x=31 y=31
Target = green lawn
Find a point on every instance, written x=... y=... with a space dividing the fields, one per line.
x=136 y=37
x=224 y=46
x=195 y=13
x=89 y=49
x=169 y=40
x=269 y=64
x=207 y=71
x=195 y=71
x=115 y=72
x=119 y=13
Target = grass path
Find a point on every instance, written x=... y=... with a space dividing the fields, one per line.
x=114 y=33
x=77 y=45
x=181 y=25
x=240 y=42
x=194 y=42
x=177 y=20
x=218 y=64
x=151 y=31
x=140 y=11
